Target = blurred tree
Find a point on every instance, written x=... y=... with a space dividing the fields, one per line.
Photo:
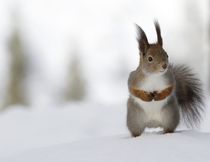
x=76 y=89
x=15 y=91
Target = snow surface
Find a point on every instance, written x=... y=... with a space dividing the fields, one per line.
x=26 y=128
x=92 y=132
x=177 y=147
x=23 y=129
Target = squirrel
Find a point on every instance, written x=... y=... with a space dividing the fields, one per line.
x=161 y=94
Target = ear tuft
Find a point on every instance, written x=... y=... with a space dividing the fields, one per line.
x=142 y=40
x=158 y=31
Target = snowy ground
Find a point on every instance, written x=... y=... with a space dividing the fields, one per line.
x=92 y=132
x=178 y=147
x=23 y=129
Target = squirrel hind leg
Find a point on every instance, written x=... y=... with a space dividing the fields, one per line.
x=135 y=126
x=135 y=118
x=170 y=116
x=136 y=134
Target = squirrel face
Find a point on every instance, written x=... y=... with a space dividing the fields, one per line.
x=155 y=61
x=153 y=58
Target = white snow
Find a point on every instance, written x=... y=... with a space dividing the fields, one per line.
x=177 y=147
x=23 y=129
x=91 y=133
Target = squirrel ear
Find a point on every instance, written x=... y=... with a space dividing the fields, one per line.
x=157 y=28
x=142 y=40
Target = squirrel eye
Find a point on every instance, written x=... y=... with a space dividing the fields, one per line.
x=150 y=59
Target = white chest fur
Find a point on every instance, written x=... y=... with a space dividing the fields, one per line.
x=152 y=109
x=153 y=83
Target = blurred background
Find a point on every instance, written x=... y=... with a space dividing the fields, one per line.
x=57 y=51
x=64 y=64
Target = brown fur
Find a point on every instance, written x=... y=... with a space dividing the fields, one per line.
x=149 y=96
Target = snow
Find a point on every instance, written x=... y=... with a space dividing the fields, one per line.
x=177 y=147
x=92 y=132
x=26 y=128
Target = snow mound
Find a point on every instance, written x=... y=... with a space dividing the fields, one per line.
x=181 y=146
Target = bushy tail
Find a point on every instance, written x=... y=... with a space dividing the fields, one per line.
x=189 y=95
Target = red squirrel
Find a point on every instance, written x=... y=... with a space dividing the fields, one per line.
x=159 y=91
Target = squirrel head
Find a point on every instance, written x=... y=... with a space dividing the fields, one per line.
x=153 y=58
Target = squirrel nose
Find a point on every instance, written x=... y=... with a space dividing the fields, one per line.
x=164 y=66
